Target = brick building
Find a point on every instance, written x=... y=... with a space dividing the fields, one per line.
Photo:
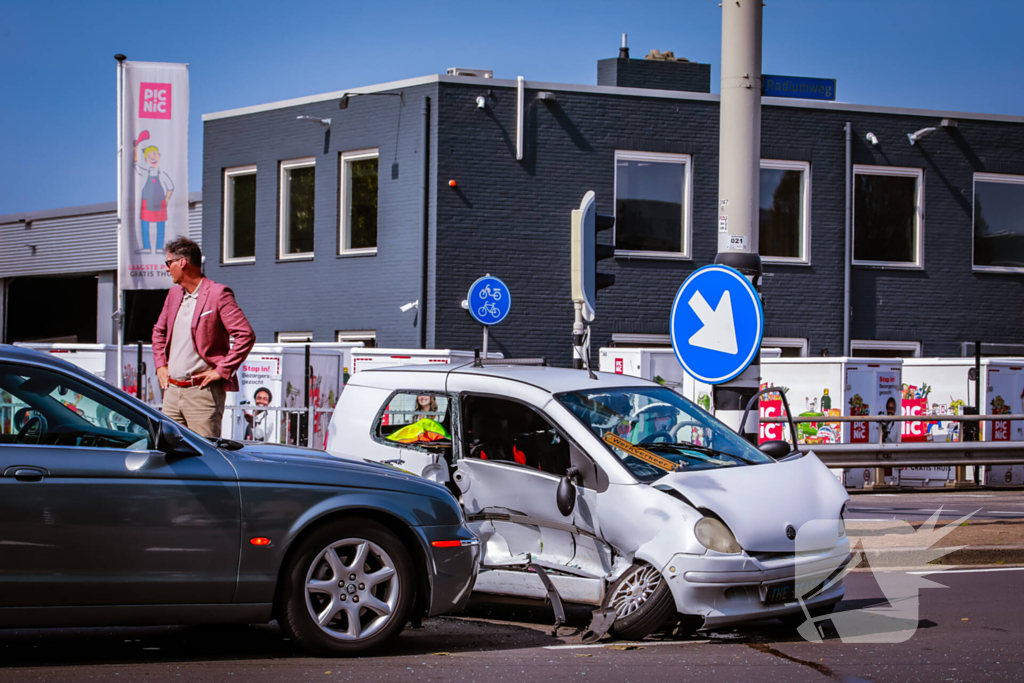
x=325 y=229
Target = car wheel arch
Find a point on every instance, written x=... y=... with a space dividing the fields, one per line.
x=424 y=583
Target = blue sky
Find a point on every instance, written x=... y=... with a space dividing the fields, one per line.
x=57 y=83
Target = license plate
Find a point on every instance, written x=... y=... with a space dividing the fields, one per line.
x=788 y=591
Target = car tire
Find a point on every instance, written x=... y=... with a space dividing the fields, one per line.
x=319 y=596
x=642 y=601
x=794 y=621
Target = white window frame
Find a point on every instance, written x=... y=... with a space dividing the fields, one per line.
x=786 y=343
x=805 y=212
x=284 y=167
x=991 y=178
x=355 y=336
x=344 y=209
x=918 y=173
x=686 y=160
x=229 y=174
x=879 y=345
x=642 y=340
x=294 y=337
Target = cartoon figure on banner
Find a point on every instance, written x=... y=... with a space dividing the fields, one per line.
x=1000 y=429
x=859 y=430
x=258 y=421
x=889 y=434
x=156 y=193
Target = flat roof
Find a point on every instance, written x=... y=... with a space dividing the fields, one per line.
x=84 y=210
x=606 y=90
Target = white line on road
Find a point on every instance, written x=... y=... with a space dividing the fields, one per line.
x=643 y=643
x=1003 y=512
x=969 y=571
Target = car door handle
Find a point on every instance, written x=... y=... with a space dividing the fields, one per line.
x=22 y=473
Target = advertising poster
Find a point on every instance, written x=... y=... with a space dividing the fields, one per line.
x=259 y=387
x=154 y=170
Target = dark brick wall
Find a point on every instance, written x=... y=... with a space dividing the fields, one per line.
x=511 y=219
x=329 y=292
x=655 y=74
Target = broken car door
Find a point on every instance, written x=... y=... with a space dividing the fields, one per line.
x=512 y=459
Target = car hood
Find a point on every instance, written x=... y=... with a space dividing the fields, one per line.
x=758 y=502
x=292 y=464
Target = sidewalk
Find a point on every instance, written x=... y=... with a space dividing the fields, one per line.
x=893 y=544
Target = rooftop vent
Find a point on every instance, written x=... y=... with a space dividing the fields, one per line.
x=476 y=73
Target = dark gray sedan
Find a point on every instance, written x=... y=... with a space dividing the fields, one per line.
x=110 y=514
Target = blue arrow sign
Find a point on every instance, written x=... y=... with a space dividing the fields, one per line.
x=489 y=300
x=717 y=324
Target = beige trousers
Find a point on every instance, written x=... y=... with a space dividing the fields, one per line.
x=198 y=408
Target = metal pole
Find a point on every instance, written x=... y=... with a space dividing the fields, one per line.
x=577 y=336
x=739 y=169
x=139 y=373
x=847 y=256
x=485 y=341
x=119 y=315
x=425 y=234
x=305 y=402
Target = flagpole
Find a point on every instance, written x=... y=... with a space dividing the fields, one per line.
x=119 y=315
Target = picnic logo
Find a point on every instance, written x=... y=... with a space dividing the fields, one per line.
x=155 y=101
x=897 y=622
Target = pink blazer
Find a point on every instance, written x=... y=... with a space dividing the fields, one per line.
x=217 y=319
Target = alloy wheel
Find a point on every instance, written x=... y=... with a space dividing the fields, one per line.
x=352 y=589
x=633 y=591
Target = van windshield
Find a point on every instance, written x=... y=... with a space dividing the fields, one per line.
x=654 y=430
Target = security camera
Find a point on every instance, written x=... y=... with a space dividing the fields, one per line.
x=917 y=135
x=410 y=305
x=872 y=138
x=481 y=102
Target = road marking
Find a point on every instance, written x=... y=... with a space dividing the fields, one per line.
x=968 y=571
x=642 y=643
x=1002 y=512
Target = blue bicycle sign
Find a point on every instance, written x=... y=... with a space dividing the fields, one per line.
x=489 y=300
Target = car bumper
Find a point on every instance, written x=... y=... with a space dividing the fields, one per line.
x=729 y=589
x=453 y=569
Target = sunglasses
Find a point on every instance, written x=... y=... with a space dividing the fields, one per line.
x=168 y=262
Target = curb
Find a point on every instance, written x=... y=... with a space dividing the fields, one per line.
x=969 y=555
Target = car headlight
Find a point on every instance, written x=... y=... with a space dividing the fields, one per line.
x=842 y=520
x=714 y=535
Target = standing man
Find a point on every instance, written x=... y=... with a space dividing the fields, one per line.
x=196 y=362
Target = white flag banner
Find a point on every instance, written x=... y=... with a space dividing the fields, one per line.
x=154 y=170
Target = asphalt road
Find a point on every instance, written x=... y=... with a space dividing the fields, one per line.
x=921 y=505
x=971 y=631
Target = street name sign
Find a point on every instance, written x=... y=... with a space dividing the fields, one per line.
x=799 y=87
x=717 y=324
x=489 y=300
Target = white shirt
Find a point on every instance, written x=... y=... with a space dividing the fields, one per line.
x=183 y=360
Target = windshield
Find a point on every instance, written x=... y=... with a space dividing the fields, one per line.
x=655 y=430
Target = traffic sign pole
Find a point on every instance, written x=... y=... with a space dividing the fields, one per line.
x=739 y=168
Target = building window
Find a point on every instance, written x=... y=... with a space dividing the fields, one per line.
x=784 y=211
x=293 y=337
x=240 y=214
x=998 y=222
x=368 y=337
x=652 y=204
x=298 y=184
x=791 y=347
x=358 y=202
x=887 y=223
x=867 y=348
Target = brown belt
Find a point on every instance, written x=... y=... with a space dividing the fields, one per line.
x=185 y=383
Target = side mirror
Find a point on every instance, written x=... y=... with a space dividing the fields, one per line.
x=776 y=449
x=171 y=441
x=565 y=495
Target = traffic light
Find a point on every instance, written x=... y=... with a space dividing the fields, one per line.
x=586 y=252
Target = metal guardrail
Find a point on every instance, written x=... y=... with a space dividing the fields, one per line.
x=894 y=418
x=918 y=454
x=284 y=434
